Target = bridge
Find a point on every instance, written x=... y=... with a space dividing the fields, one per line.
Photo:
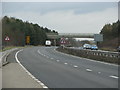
x=70 y=35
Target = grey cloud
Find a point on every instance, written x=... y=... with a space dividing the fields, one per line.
x=46 y=7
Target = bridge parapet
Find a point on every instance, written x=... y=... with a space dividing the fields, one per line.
x=71 y=35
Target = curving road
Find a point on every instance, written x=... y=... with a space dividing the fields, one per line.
x=58 y=70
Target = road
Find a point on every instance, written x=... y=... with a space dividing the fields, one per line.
x=58 y=70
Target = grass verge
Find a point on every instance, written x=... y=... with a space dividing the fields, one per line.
x=86 y=54
x=9 y=47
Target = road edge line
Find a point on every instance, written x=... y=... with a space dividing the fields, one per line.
x=34 y=78
x=115 y=77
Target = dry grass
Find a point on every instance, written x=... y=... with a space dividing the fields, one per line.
x=82 y=53
x=10 y=47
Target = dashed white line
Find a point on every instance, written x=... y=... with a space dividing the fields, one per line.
x=114 y=77
x=42 y=54
x=39 y=52
x=75 y=66
x=99 y=72
x=57 y=60
x=65 y=63
x=89 y=70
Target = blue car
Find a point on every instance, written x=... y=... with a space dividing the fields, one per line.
x=94 y=47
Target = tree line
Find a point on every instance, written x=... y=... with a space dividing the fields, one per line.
x=111 y=35
x=17 y=30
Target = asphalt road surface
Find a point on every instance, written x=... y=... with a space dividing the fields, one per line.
x=58 y=70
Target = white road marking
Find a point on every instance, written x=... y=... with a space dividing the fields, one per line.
x=39 y=52
x=65 y=63
x=114 y=77
x=42 y=84
x=58 y=60
x=42 y=54
x=45 y=87
x=99 y=72
x=75 y=66
x=39 y=82
x=89 y=70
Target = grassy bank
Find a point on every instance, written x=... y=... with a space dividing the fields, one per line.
x=89 y=55
x=109 y=49
x=9 y=47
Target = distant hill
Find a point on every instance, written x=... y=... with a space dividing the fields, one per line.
x=111 y=35
x=17 y=30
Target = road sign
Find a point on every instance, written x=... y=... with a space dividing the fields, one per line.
x=98 y=37
x=62 y=41
x=7 y=38
x=28 y=39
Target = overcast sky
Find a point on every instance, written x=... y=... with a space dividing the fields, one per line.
x=65 y=17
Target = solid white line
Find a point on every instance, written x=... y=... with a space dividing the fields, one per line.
x=89 y=70
x=42 y=84
x=114 y=77
x=39 y=82
x=45 y=87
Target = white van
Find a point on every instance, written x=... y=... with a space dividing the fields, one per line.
x=48 y=43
